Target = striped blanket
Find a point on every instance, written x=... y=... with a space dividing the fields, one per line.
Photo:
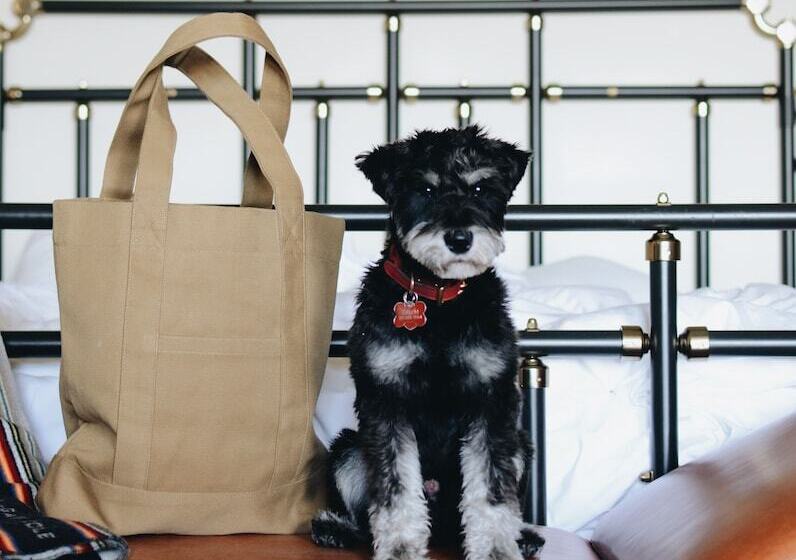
x=25 y=534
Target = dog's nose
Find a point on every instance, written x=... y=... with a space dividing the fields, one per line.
x=459 y=240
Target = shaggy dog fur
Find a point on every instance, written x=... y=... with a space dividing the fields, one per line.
x=438 y=457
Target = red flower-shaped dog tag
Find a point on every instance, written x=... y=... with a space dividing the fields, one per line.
x=409 y=315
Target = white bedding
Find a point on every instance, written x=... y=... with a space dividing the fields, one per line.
x=597 y=407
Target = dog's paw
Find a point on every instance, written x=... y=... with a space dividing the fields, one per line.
x=402 y=552
x=492 y=549
x=333 y=531
x=506 y=553
x=530 y=543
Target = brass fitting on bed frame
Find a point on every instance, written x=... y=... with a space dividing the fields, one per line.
x=518 y=92
x=694 y=342
x=24 y=10
x=464 y=110
x=553 y=92
x=635 y=342
x=533 y=373
x=374 y=92
x=663 y=246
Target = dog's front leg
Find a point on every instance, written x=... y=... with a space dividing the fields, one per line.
x=399 y=518
x=490 y=507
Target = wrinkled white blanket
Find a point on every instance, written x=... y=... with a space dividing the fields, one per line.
x=597 y=407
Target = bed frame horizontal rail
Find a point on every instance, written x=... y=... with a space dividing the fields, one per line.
x=378 y=7
x=550 y=217
x=629 y=341
x=375 y=92
x=47 y=344
x=86 y=95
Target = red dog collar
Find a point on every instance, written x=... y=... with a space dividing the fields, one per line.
x=441 y=293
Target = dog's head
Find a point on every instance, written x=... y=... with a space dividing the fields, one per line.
x=447 y=192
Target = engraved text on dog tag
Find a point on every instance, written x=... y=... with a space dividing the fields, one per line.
x=409 y=315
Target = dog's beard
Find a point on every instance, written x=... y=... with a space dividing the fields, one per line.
x=429 y=249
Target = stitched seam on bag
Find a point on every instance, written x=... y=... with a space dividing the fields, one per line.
x=282 y=352
x=157 y=347
x=220 y=250
x=255 y=338
x=211 y=353
x=61 y=459
x=306 y=357
x=68 y=244
x=124 y=343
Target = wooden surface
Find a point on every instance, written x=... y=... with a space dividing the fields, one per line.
x=243 y=547
x=560 y=546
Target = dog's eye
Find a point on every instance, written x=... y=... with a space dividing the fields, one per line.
x=428 y=191
x=477 y=190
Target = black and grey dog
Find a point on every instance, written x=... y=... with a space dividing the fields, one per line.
x=438 y=456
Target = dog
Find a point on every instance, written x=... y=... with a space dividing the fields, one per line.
x=438 y=457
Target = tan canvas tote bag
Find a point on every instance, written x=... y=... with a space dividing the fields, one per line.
x=194 y=337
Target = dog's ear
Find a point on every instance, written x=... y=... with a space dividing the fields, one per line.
x=512 y=162
x=379 y=167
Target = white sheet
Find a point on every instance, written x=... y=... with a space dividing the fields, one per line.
x=597 y=408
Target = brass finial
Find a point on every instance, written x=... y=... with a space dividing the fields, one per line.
x=663 y=199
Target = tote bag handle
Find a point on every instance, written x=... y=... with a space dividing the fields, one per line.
x=154 y=174
x=275 y=100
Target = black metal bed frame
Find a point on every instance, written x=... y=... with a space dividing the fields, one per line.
x=662 y=250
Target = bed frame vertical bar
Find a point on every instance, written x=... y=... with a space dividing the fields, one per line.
x=702 y=116
x=249 y=82
x=663 y=252
x=322 y=152
x=535 y=100
x=786 y=155
x=83 y=118
x=533 y=382
x=393 y=29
